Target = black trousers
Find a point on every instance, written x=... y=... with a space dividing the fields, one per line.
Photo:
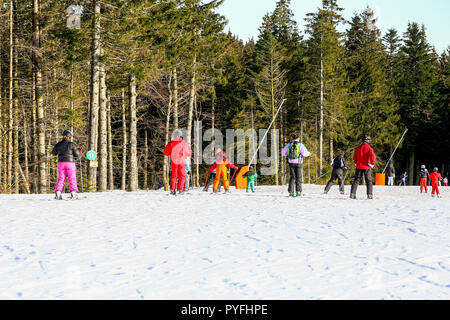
x=367 y=173
x=210 y=180
x=295 y=181
x=339 y=175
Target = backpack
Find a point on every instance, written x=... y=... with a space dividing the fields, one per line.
x=294 y=150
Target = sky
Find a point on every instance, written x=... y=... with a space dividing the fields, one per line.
x=245 y=16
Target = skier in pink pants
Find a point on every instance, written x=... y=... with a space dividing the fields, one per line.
x=67 y=152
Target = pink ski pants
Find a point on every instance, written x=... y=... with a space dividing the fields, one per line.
x=67 y=170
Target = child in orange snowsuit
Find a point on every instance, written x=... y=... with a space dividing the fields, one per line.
x=435 y=176
x=221 y=165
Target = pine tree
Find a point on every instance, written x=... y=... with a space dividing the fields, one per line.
x=415 y=90
x=372 y=108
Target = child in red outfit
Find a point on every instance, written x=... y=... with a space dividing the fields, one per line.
x=435 y=176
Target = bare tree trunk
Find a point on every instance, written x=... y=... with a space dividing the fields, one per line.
x=191 y=103
x=94 y=93
x=175 y=99
x=16 y=125
x=102 y=134
x=110 y=149
x=283 y=163
x=26 y=145
x=321 y=115
x=37 y=57
x=331 y=149
x=2 y=128
x=133 y=179
x=411 y=167
x=34 y=135
x=10 y=110
x=145 y=160
x=166 y=138
x=272 y=80
x=71 y=97
x=124 y=143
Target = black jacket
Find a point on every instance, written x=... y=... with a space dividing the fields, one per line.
x=424 y=173
x=339 y=163
x=66 y=151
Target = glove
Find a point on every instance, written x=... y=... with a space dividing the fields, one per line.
x=371 y=165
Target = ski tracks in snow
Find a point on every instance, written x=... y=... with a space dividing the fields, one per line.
x=261 y=245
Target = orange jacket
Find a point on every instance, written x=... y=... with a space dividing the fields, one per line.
x=221 y=162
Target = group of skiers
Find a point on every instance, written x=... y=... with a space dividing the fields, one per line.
x=179 y=151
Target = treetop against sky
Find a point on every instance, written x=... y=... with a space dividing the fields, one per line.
x=245 y=17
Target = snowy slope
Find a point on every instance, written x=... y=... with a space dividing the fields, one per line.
x=148 y=245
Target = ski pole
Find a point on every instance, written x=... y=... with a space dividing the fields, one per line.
x=235 y=171
x=206 y=180
x=321 y=176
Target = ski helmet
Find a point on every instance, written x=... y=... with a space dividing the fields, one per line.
x=67 y=133
x=177 y=134
x=435 y=169
x=366 y=138
x=422 y=166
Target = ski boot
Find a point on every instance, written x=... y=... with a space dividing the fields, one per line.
x=369 y=196
x=227 y=191
x=299 y=194
x=73 y=195
x=342 y=192
x=181 y=192
x=352 y=196
x=173 y=192
x=291 y=194
x=58 y=195
x=325 y=192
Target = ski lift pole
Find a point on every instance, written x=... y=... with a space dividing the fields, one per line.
x=395 y=149
x=262 y=140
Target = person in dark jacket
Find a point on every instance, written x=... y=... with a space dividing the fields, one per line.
x=423 y=175
x=339 y=166
x=67 y=153
x=364 y=159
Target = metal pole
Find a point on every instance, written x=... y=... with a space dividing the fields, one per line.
x=253 y=158
x=395 y=150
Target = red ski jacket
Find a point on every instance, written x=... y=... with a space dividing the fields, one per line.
x=364 y=157
x=435 y=177
x=178 y=150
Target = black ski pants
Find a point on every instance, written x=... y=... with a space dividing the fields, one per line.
x=359 y=174
x=295 y=181
x=339 y=175
x=211 y=178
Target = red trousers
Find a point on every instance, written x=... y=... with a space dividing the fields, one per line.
x=423 y=184
x=435 y=187
x=178 y=173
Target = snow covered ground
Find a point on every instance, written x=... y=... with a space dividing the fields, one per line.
x=148 y=245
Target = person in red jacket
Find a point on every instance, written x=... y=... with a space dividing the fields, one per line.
x=221 y=165
x=178 y=150
x=435 y=177
x=364 y=159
